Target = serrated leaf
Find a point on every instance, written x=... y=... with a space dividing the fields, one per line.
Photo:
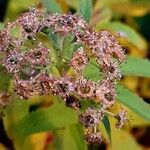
x=136 y=66
x=106 y=124
x=133 y=102
x=125 y=31
x=52 y=6
x=55 y=117
x=85 y=9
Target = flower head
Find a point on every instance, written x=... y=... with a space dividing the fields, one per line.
x=29 y=65
x=30 y=22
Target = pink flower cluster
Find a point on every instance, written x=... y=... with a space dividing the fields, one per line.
x=28 y=65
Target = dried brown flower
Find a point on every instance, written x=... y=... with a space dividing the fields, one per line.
x=91 y=117
x=4 y=98
x=121 y=119
x=94 y=138
x=23 y=88
x=85 y=88
x=38 y=55
x=73 y=102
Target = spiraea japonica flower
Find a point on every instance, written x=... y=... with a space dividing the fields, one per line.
x=94 y=138
x=31 y=65
x=91 y=117
x=79 y=60
x=85 y=88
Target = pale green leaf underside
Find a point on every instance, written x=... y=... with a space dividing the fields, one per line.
x=133 y=102
x=51 y=5
x=85 y=9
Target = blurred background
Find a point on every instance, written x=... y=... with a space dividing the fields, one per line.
x=127 y=17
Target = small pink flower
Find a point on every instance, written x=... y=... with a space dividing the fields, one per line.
x=64 y=87
x=79 y=60
x=85 y=88
x=13 y=62
x=38 y=55
x=30 y=22
x=105 y=93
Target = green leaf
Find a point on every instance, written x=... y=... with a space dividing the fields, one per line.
x=55 y=117
x=55 y=39
x=16 y=7
x=136 y=66
x=13 y=113
x=74 y=135
x=123 y=140
x=5 y=79
x=133 y=102
x=141 y=2
x=92 y=71
x=126 y=32
x=51 y=5
x=68 y=46
x=73 y=4
x=103 y=15
x=1 y=25
x=85 y=9
x=106 y=124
